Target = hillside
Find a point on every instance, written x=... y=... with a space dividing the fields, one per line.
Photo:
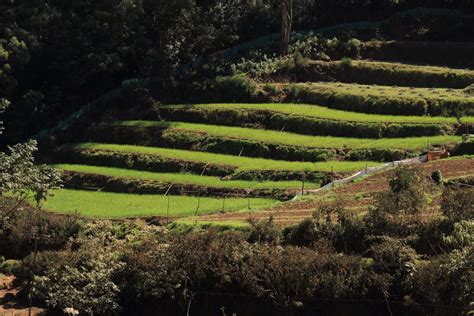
x=244 y=157
x=304 y=127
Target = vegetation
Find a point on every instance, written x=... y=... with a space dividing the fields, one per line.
x=242 y=163
x=387 y=73
x=151 y=193
x=268 y=117
x=298 y=140
x=179 y=178
x=317 y=111
x=381 y=99
x=379 y=255
x=112 y=205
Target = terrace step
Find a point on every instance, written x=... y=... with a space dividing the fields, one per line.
x=261 y=143
x=230 y=167
x=306 y=120
x=374 y=99
x=378 y=72
x=139 y=182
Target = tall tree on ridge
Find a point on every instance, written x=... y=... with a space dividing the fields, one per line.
x=286 y=21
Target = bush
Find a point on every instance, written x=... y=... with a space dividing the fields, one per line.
x=458 y=204
x=264 y=231
x=437 y=177
x=237 y=88
x=407 y=193
x=346 y=62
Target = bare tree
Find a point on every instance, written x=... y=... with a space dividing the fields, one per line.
x=286 y=21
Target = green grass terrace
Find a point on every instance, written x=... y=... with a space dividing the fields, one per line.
x=284 y=138
x=316 y=111
x=105 y=205
x=182 y=178
x=242 y=163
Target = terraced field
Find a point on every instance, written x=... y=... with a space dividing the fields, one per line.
x=214 y=160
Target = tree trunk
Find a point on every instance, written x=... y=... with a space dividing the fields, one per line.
x=286 y=21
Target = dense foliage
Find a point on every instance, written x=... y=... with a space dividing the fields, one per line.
x=56 y=56
x=388 y=256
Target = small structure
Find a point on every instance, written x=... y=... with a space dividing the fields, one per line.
x=438 y=154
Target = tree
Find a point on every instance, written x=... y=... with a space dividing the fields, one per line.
x=286 y=21
x=407 y=193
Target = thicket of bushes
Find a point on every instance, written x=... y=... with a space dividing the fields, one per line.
x=174 y=138
x=390 y=256
x=362 y=263
x=300 y=124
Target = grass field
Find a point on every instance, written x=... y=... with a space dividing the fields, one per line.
x=267 y=136
x=242 y=163
x=112 y=205
x=183 y=178
x=317 y=111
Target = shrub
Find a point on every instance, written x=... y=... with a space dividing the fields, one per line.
x=346 y=62
x=458 y=204
x=443 y=283
x=237 y=88
x=264 y=231
x=391 y=251
x=437 y=177
x=462 y=235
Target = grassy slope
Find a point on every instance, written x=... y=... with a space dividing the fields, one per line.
x=284 y=138
x=182 y=178
x=113 y=205
x=317 y=111
x=243 y=163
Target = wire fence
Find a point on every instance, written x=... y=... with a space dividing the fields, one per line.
x=365 y=172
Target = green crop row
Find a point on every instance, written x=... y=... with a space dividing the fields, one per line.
x=112 y=205
x=316 y=111
x=174 y=160
x=141 y=182
x=375 y=99
x=178 y=178
x=284 y=138
x=258 y=143
x=259 y=116
x=386 y=73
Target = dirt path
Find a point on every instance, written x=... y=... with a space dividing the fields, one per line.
x=357 y=194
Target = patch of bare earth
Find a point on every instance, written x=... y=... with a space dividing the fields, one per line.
x=357 y=195
x=9 y=305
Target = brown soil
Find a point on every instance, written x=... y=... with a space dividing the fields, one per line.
x=9 y=306
x=357 y=195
